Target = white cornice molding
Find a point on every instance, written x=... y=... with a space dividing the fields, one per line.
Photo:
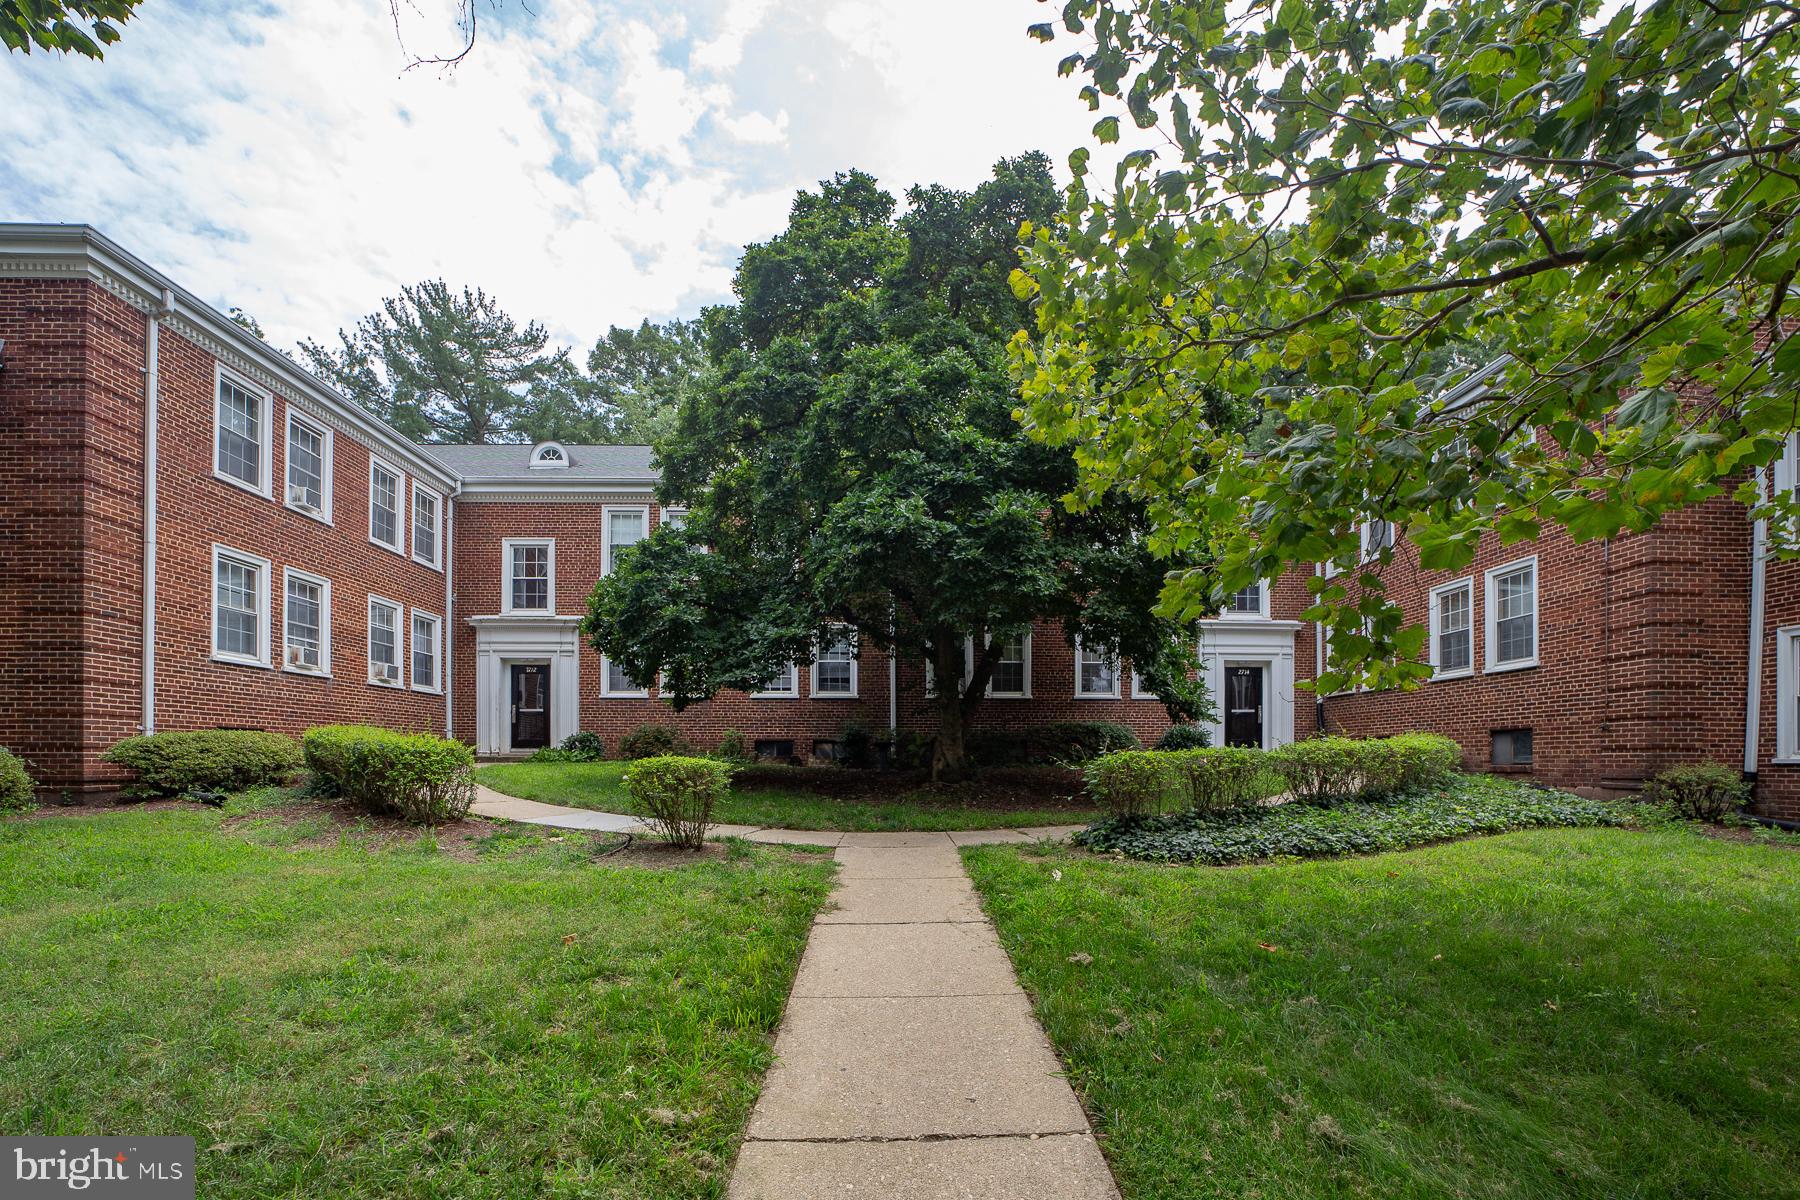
x=82 y=252
x=507 y=491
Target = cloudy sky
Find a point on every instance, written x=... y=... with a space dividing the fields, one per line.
x=591 y=163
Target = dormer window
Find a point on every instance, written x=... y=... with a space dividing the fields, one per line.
x=548 y=456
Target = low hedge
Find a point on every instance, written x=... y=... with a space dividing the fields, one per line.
x=1700 y=792
x=1132 y=783
x=1071 y=742
x=675 y=795
x=210 y=760
x=1326 y=770
x=1468 y=805
x=417 y=776
x=650 y=741
x=18 y=794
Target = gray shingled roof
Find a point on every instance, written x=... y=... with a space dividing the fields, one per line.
x=631 y=463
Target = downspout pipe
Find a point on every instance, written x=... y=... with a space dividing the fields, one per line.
x=1759 y=544
x=165 y=305
x=449 y=636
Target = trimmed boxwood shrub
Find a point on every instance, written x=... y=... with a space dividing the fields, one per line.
x=1326 y=770
x=210 y=760
x=1221 y=778
x=417 y=776
x=18 y=794
x=1071 y=742
x=1185 y=737
x=1320 y=770
x=1468 y=805
x=1133 y=783
x=1699 y=792
x=648 y=741
x=675 y=794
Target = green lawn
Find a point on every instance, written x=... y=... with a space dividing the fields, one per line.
x=597 y=785
x=1590 y=1013
x=342 y=1021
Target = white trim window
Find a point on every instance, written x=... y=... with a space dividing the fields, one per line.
x=240 y=607
x=427 y=519
x=834 y=665
x=427 y=651
x=548 y=456
x=386 y=487
x=1453 y=629
x=1096 y=675
x=783 y=685
x=1512 y=615
x=528 y=575
x=616 y=683
x=675 y=518
x=1011 y=674
x=625 y=527
x=1377 y=534
x=1138 y=690
x=308 y=467
x=1247 y=603
x=1787 y=694
x=385 y=644
x=305 y=623
x=240 y=432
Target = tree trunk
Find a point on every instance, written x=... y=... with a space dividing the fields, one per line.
x=949 y=755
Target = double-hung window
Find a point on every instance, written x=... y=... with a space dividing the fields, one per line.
x=240 y=433
x=240 y=621
x=1453 y=628
x=306 y=623
x=308 y=467
x=1245 y=602
x=427 y=649
x=784 y=685
x=1512 y=620
x=1096 y=674
x=1377 y=535
x=834 y=666
x=386 y=487
x=425 y=509
x=625 y=528
x=384 y=643
x=615 y=682
x=1787 y=694
x=1011 y=675
x=530 y=575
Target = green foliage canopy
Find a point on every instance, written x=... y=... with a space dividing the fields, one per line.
x=80 y=28
x=1336 y=195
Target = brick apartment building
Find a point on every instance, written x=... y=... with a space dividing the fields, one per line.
x=195 y=532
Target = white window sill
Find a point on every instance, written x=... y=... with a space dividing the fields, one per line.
x=391 y=684
x=774 y=696
x=1459 y=673
x=527 y=612
x=234 y=660
x=240 y=485
x=426 y=562
x=1785 y=760
x=1524 y=664
x=1096 y=695
x=388 y=546
x=1009 y=695
x=311 y=514
x=624 y=695
x=428 y=691
x=835 y=696
x=309 y=672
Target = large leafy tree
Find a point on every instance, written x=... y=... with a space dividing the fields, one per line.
x=639 y=377
x=1332 y=200
x=854 y=461
x=445 y=365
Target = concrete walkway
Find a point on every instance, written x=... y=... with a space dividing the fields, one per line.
x=909 y=1063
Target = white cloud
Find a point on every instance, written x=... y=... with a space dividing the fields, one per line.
x=589 y=164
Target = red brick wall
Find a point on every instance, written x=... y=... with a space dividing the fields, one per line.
x=1641 y=651
x=71 y=468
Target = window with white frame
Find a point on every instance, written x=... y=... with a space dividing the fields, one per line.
x=1787 y=694
x=1246 y=602
x=240 y=607
x=308 y=467
x=306 y=623
x=426 y=508
x=1377 y=535
x=549 y=457
x=530 y=575
x=834 y=666
x=1011 y=676
x=784 y=685
x=241 y=433
x=615 y=682
x=1512 y=631
x=675 y=518
x=385 y=490
x=384 y=643
x=1453 y=628
x=1096 y=674
x=427 y=650
x=625 y=528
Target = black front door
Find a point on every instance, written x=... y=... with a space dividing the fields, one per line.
x=530 y=706
x=1243 y=706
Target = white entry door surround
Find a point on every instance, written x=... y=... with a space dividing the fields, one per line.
x=500 y=642
x=1242 y=642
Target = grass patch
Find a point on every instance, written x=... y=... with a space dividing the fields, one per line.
x=1559 y=1012
x=385 y=1020
x=1470 y=804
x=795 y=798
